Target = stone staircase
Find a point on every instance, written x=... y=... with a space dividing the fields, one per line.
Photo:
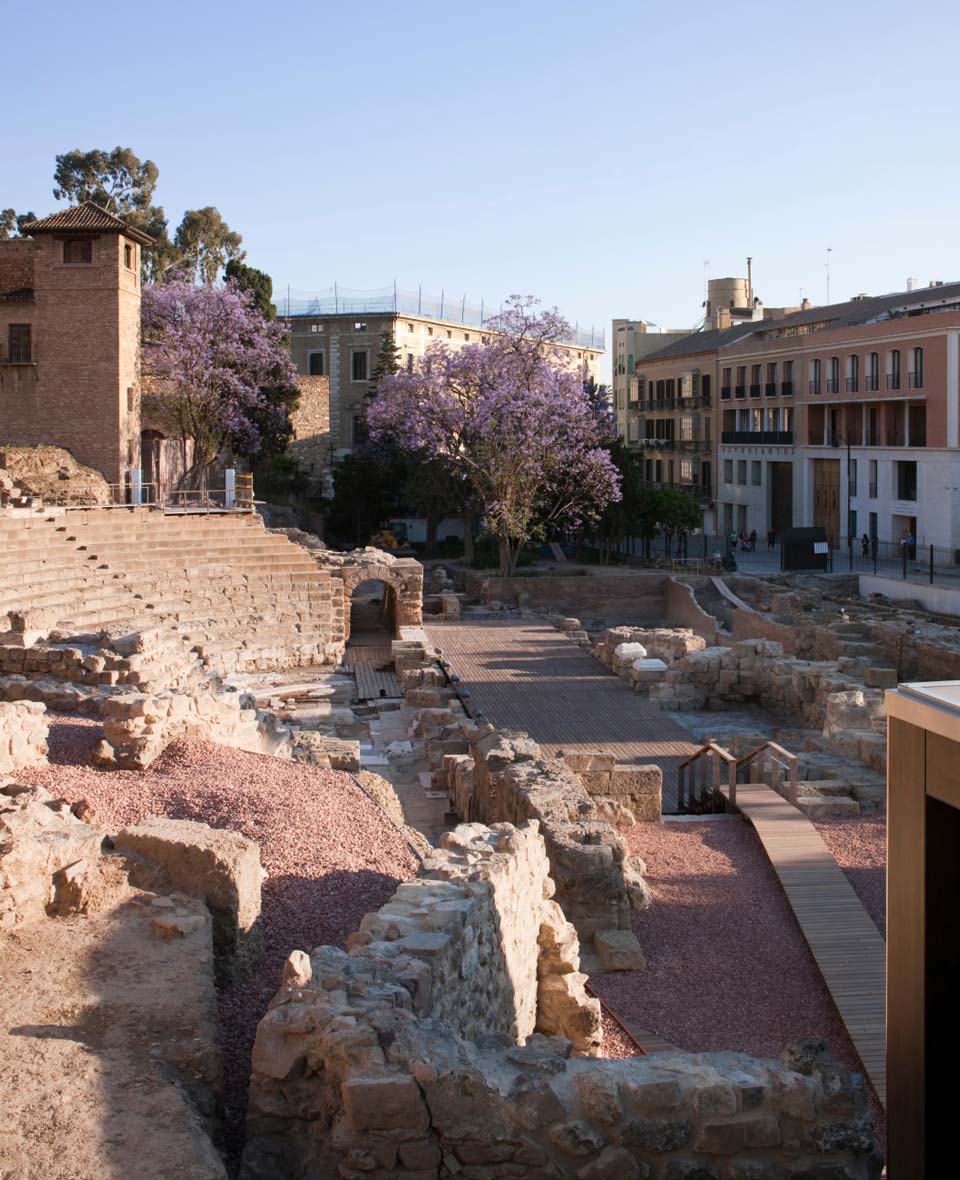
x=857 y=655
x=242 y=598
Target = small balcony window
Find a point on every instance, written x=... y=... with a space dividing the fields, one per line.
x=315 y=364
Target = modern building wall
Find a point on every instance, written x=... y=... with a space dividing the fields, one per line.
x=874 y=381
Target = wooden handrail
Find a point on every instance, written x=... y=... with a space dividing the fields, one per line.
x=792 y=763
x=707 y=747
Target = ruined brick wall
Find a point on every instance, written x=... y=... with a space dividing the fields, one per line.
x=23 y=735
x=402 y=1058
x=311 y=426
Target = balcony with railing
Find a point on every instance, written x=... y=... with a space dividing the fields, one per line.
x=786 y=389
x=770 y=389
x=915 y=379
x=872 y=491
x=754 y=390
x=17 y=354
x=740 y=391
x=893 y=381
x=814 y=386
x=871 y=383
x=853 y=385
x=770 y=438
x=695 y=445
x=725 y=393
x=833 y=385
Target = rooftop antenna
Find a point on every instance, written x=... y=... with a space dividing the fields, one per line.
x=749 y=282
x=829 y=252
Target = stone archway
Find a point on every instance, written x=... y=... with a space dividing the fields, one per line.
x=402 y=578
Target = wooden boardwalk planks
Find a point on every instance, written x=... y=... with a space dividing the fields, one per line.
x=849 y=950
x=373 y=671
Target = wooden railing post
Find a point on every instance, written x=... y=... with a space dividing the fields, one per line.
x=793 y=782
x=681 y=783
x=732 y=784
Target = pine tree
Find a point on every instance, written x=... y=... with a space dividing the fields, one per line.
x=388 y=361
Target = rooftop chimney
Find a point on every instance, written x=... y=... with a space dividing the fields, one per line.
x=912 y=284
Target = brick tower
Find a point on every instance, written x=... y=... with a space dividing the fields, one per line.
x=69 y=338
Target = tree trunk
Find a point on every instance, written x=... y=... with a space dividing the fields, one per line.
x=468 y=553
x=506 y=559
x=433 y=523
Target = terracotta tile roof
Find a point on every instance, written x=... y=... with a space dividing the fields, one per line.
x=86 y=218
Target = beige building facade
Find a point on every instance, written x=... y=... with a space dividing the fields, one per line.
x=343 y=346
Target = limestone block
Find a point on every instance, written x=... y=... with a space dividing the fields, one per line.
x=38 y=838
x=220 y=865
x=630 y=651
x=618 y=950
x=880 y=677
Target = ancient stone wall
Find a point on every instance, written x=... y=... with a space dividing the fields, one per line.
x=23 y=735
x=138 y=727
x=310 y=445
x=630 y=597
x=818 y=693
x=402 y=1058
x=494 y=776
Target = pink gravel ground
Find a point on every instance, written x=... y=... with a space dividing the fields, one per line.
x=727 y=965
x=859 y=846
x=330 y=854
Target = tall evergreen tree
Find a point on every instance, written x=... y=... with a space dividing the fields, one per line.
x=387 y=362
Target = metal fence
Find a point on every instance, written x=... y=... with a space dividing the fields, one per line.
x=337 y=300
x=933 y=565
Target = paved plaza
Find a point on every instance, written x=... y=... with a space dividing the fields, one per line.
x=523 y=674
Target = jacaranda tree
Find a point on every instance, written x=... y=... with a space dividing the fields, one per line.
x=511 y=418
x=216 y=372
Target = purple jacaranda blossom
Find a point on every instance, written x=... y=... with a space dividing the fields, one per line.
x=209 y=358
x=511 y=416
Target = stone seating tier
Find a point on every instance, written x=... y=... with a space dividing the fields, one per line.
x=244 y=598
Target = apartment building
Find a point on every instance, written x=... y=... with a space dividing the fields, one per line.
x=631 y=342
x=338 y=335
x=844 y=416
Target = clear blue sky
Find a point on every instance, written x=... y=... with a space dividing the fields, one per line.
x=595 y=155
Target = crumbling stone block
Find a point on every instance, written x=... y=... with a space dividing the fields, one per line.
x=220 y=865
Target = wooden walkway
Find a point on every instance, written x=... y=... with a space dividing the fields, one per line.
x=848 y=948
x=373 y=671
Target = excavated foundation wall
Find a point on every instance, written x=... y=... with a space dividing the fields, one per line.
x=848 y=712
x=400 y=1059
x=495 y=776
